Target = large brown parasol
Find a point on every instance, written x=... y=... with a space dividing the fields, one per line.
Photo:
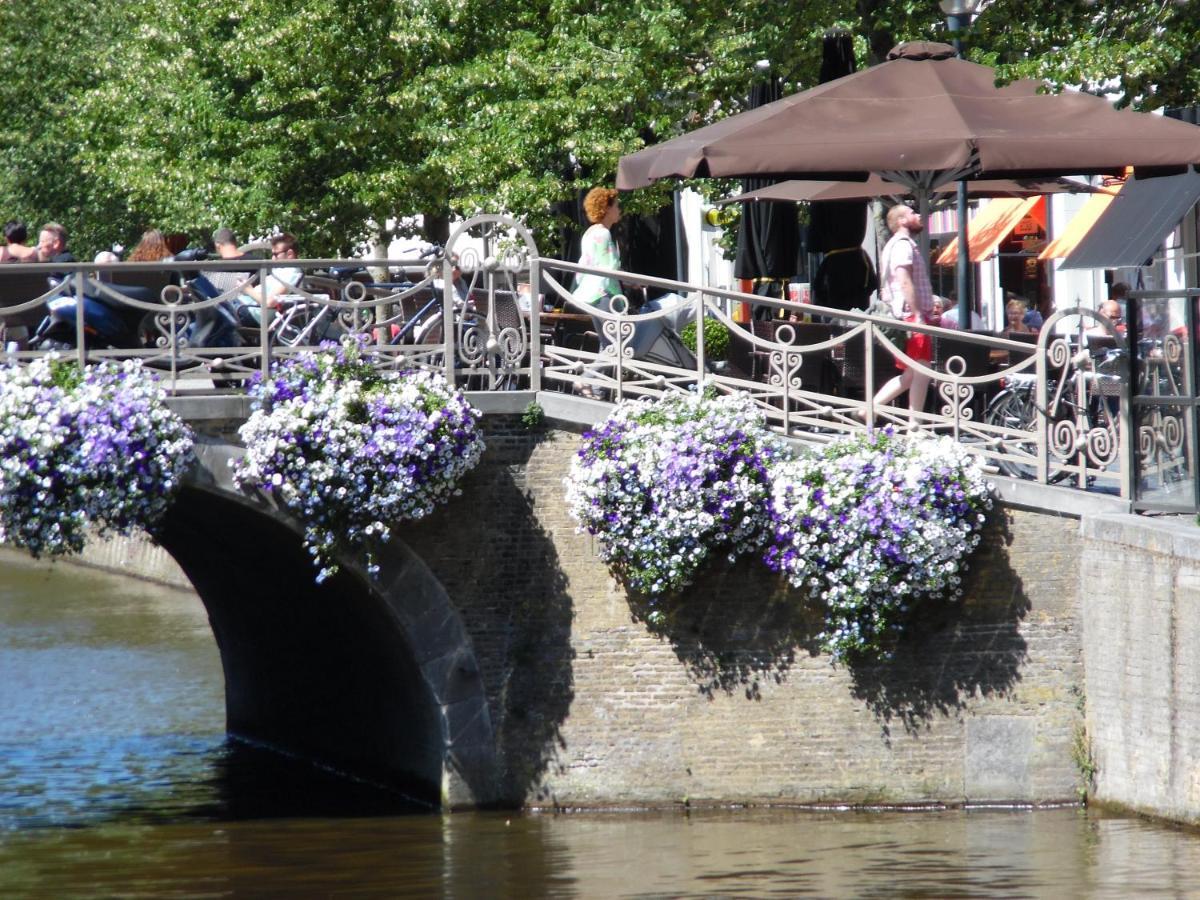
x=921 y=119
x=797 y=191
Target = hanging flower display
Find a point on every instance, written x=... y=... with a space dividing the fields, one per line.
x=92 y=450
x=665 y=484
x=872 y=525
x=351 y=449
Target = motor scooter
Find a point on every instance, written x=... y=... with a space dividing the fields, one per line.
x=107 y=323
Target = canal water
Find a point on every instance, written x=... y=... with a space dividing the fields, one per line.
x=116 y=779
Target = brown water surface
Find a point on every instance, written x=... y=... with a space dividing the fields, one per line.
x=116 y=779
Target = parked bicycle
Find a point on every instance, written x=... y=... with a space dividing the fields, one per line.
x=1081 y=413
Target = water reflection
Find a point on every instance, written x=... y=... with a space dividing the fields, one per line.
x=1060 y=853
x=110 y=696
x=116 y=779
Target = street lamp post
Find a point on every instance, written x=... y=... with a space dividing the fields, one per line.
x=958 y=17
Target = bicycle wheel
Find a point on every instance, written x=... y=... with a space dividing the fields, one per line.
x=1015 y=411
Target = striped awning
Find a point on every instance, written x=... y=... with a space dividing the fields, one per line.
x=992 y=225
x=1080 y=224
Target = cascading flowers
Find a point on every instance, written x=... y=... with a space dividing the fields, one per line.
x=665 y=484
x=868 y=527
x=873 y=525
x=350 y=449
x=92 y=450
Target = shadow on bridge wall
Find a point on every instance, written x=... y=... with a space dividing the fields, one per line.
x=331 y=672
x=954 y=652
x=741 y=624
x=736 y=626
x=491 y=551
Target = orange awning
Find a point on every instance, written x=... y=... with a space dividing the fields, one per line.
x=1080 y=225
x=993 y=224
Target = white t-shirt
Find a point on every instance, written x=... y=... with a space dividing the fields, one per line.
x=279 y=281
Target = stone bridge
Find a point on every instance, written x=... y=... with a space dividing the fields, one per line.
x=495 y=662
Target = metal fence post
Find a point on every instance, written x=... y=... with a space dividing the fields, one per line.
x=448 y=319
x=869 y=373
x=1127 y=447
x=264 y=325
x=80 y=334
x=535 y=326
x=1043 y=421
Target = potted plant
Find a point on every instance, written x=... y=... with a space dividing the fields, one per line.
x=351 y=449
x=716 y=340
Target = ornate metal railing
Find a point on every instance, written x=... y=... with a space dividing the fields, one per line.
x=1057 y=410
x=1162 y=333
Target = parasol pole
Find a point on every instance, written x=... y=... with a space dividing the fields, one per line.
x=923 y=191
x=958 y=17
x=962 y=264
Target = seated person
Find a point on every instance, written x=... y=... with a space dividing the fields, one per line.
x=106 y=258
x=949 y=316
x=151 y=248
x=1110 y=310
x=225 y=244
x=279 y=282
x=939 y=308
x=14 y=249
x=456 y=280
x=431 y=313
x=52 y=247
x=1014 y=316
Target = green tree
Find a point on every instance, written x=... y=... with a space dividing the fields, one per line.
x=264 y=116
x=329 y=117
x=1146 y=53
x=42 y=71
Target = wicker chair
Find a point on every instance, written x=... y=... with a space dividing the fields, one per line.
x=15 y=289
x=976 y=357
x=852 y=369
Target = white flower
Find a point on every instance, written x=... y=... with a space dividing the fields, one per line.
x=96 y=449
x=872 y=524
x=346 y=474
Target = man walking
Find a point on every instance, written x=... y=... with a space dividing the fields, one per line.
x=904 y=286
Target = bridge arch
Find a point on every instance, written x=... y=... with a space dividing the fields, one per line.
x=376 y=678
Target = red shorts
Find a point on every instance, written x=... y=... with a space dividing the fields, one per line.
x=918 y=347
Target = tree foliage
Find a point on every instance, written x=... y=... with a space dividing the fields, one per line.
x=42 y=133
x=329 y=117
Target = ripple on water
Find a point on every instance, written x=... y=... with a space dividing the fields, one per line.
x=116 y=779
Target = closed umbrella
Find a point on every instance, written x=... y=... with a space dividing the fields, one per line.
x=846 y=277
x=768 y=238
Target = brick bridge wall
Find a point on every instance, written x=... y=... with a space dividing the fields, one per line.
x=1142 y=644
x=730 y=702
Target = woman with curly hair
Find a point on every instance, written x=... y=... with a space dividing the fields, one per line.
x=151 y=248
x=598 y=249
